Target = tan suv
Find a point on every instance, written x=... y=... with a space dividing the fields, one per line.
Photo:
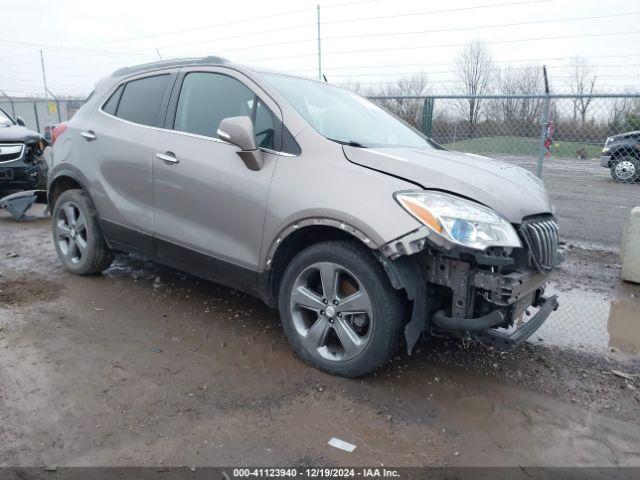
x=364 y=233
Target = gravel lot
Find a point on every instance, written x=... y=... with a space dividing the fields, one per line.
x=146 y=366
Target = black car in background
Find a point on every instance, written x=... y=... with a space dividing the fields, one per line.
x=621 y=154
x=22 y=163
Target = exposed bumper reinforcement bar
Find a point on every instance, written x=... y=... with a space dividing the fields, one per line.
x=468 y=324
x=505 y=341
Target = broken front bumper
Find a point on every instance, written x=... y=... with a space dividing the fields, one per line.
x=505 y=340
x=483 y=328
x=475 y=294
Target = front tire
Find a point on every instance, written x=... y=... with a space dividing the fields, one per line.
x=77 y=236
x=626 y=170
x=339 y=310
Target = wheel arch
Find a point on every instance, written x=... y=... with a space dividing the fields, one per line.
x=300 y=235
x=624 y=152
x=61 y=181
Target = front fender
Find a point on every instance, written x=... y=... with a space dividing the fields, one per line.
x=316 y=221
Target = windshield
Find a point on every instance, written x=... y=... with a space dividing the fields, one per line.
x=5 y=120
x=343 y=116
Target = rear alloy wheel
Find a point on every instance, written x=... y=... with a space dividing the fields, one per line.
x=71 y=233
x=339 y=310
x=626 y=170
x=76 y=235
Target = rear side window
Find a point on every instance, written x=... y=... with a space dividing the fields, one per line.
x=141 y=100
x=111 y=104
x=208 y=98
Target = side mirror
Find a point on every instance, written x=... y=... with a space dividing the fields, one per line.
x=239 y=132
x=20 y=121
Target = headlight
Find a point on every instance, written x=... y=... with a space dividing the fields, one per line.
x=609 y=140
x=459 y=221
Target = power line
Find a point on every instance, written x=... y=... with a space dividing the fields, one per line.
x=433 y=12
x=239 y=21
x=416 y=32
x=422 y=47
x=351 y=19
x=539 y=60
x=496 y=69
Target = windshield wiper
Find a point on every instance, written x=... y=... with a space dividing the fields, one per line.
x=351 y=143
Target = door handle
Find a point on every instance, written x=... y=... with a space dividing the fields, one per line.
x=89 y=135
x=168 y=157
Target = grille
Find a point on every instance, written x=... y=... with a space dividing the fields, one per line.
x=10 y=151
x=541 y=237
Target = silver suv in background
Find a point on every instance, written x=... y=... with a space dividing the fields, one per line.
x=363 y=233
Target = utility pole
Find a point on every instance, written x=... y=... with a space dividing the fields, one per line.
x=46 y=90
x=544 y=123
x=44 y=75
x=319 y=47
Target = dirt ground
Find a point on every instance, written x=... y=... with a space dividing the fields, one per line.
x=147 y=366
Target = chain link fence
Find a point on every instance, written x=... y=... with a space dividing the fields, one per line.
x=586 y=149
x=39 y=114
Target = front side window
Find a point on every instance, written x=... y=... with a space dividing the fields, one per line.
x=263 y=126
x=141 y=100
x=5 y=120
x=343 y=116
x=208 y=98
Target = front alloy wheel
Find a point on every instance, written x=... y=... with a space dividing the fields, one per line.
x=331 y=311
x=339 y=310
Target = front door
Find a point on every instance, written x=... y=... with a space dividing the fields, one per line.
x=209 y=207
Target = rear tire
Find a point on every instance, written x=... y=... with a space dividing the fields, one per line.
x=339 y=310
x=626 y=170
x=76 y=235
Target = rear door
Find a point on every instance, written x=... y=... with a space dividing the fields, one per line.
x=117 y=152
x=209 y=207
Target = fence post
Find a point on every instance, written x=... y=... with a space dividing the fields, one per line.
x=455 y=130
x=35 y=111
x=544 y=122
x=13 y=107
x=427 y=116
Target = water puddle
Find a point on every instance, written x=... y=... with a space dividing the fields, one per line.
x=594 y=321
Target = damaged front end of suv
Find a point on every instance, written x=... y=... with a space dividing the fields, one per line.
x=470 y=272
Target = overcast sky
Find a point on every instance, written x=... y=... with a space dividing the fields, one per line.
x=362 y=40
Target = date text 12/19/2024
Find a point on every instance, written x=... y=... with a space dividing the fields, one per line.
x=364 y=472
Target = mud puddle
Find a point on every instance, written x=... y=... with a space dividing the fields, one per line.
x=595 y=321
x=22 y=291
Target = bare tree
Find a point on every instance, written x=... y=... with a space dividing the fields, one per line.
x=583 y=82
x=521 y=115
x=475 y=68
x=410 y=110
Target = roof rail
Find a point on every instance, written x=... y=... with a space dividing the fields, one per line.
x=178 y=62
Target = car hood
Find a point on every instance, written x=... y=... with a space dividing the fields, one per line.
x=17 y=133
x=508 y=189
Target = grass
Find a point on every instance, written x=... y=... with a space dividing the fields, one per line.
x=521 y=146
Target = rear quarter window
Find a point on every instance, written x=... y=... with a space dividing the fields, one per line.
x=111 y=105
x=141 y=100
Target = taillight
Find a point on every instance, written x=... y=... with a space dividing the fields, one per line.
x=59 y=130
